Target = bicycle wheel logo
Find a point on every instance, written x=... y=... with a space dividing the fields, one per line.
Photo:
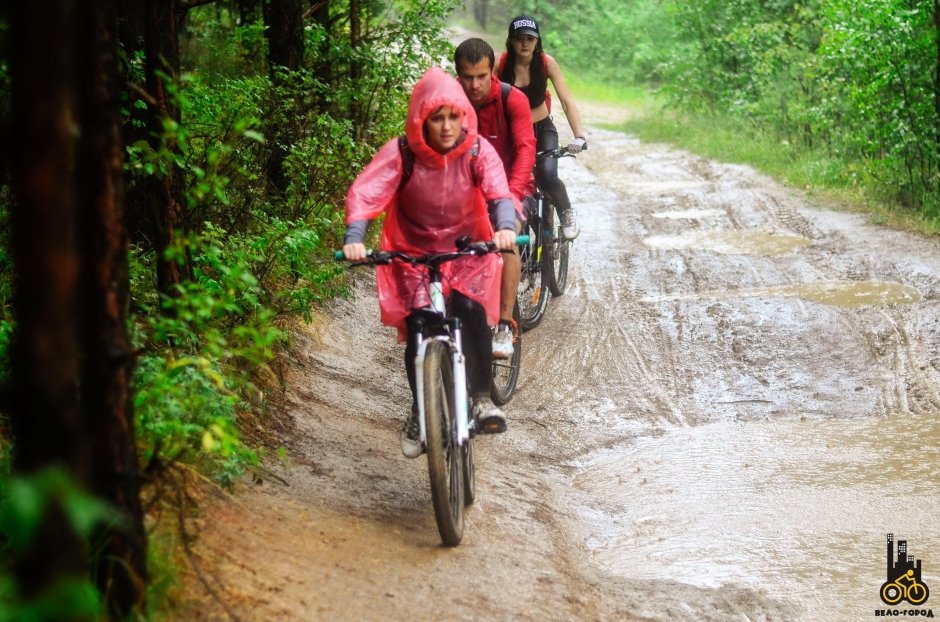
x=904 y=580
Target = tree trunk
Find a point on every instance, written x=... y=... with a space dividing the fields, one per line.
x=320 y=13
x=355 y=68
x=166 y=191
x=284 y=21
x=138 y=208
x=107 y=410
x=44 y=406
x=247 y=11
x=479 y=12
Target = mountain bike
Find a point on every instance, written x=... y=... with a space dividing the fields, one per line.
x=544 y=258
x=557 y=246
x=446 y=430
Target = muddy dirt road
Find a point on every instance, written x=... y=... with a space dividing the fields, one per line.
x=733 y=404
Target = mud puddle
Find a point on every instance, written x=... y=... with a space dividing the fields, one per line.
x=838 y=293
x=798 y=509
x=749 y=242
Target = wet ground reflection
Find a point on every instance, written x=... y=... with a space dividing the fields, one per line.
x=733 y=242
x=838 y=293
x=797 y=508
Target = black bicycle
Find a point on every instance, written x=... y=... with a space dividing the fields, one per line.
x=545 y=257
x=557 y=246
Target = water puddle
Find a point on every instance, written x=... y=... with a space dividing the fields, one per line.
x=690 y=214
x=749 y=242
x=837 y=293
x=799 y=510
x=637 y=186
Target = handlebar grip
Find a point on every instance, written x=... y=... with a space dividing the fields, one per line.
x=522 y=240
x=339 y=255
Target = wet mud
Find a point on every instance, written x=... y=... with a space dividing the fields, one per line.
x=733 y=404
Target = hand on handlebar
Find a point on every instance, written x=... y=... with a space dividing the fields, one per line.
x=354 y=252
x=505 y=239
x=577 y=145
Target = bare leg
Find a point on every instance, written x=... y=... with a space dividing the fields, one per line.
x=512 y=268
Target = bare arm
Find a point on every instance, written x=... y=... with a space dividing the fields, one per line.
x=564 y=95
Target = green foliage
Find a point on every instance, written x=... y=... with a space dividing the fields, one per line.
x=854 y=78
x=24 y=507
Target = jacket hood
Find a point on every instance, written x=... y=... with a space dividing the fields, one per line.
x=435 y=89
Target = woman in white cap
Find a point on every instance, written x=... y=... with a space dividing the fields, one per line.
x=526 y=66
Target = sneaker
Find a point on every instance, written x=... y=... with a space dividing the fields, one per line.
x=411 y=436
x=502 y=341
x=569 y=225
x=490 y=419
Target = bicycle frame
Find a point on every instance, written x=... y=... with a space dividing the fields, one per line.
x=453 y=341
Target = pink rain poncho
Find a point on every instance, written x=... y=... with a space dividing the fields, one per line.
x=439 y=204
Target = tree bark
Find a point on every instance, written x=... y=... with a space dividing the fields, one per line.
x=44 y=405
x=165 y=191
x=107 y=411
x=285 y=35
x=138 y=208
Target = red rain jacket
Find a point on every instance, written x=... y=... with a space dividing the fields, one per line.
x=514 y=144
x=439 y=203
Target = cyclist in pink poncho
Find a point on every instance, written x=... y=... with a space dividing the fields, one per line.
x=456 y=187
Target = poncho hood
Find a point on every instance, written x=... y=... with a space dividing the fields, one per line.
x=435 y=89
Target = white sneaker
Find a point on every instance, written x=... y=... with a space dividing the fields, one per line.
x=502 y=341
x=411 y=437
x=489 y=418
x=569 y=224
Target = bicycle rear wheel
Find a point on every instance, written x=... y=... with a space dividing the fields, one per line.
x=533 y=292
x=506 y=372
x=445 y=459
x=556 y=259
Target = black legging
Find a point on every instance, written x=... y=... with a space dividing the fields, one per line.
x=477 y=345
x=546 y=171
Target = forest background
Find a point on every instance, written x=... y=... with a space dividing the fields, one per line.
x=171 y=189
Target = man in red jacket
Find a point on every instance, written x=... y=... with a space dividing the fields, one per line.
x=504 y=119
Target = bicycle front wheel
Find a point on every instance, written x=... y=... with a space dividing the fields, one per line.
x=445 y=459
x=506 y=372
x=556 y=258
x=533 y=292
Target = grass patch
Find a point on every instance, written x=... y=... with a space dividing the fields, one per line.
x=830 y=182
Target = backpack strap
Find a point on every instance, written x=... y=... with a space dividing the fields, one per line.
x=407 y=161
x=504 y=89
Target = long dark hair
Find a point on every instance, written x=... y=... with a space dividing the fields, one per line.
x=538 y=80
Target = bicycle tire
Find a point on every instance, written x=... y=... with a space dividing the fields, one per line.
x=506 y=372
x=556 y=259
x=533 y=293
x=469 y=473
x=445 y=462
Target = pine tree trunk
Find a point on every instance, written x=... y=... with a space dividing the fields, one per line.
x=44 y=406
x=166 y=192
x=106 y=369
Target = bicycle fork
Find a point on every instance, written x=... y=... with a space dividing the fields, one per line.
x=459 y=367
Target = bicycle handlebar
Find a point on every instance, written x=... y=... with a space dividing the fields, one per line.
x=469 y=248
x=560 y=152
